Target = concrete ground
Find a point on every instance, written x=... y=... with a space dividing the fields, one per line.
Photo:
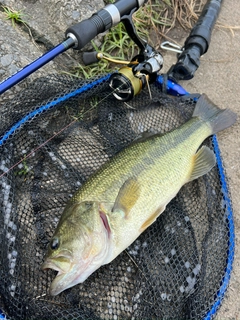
x=218 y=77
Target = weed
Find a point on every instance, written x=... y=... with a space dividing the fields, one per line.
x=152 y=16
x=14 y=16
x=24 y=168
x=158 y=16
x=85 y=110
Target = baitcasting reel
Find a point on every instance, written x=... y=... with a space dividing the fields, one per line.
x=136 y=74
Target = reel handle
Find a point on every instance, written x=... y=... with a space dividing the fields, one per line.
x=89 y=58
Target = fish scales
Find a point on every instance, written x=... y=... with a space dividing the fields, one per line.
x=127 y=194
x=132 y=162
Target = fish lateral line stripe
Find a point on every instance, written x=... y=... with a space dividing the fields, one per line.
x=185 y=133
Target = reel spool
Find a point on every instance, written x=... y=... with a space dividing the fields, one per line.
x=142 y=70
x=130 y=80
x=125 y=85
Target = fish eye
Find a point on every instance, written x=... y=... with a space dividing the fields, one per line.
x=54 y=244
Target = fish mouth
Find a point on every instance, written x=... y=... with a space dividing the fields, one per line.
x=51 y=265
x=58 y=282
x=68 y=276
x=48 y=264
x=60 y=262
x=64 y=279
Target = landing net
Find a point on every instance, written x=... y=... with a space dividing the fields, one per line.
x=54 y=135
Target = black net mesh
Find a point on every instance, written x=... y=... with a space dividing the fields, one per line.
x=174 y=270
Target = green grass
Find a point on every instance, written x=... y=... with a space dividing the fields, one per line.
x=24 y=168
x=117 y=43
x=17 y=18
x=13 y=15
x=152 y=21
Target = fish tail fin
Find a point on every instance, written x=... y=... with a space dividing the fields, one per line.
x=218 y=119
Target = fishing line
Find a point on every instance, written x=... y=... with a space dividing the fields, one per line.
x=50 y=105
x=37 y=148
x=56 y=134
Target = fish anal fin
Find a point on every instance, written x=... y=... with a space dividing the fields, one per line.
x=127 y=196
x=152 y=218
x=204 y=160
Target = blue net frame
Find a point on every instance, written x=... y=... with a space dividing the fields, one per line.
x=222 y=177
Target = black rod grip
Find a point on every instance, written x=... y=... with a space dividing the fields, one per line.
x=197 y=43
x=86 y=30
x=201 y=32
x=126 y=6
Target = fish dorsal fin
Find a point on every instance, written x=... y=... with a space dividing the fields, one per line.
x=127 y=196
x=204 y=160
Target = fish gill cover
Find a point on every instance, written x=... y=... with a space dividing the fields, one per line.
x=179 y=266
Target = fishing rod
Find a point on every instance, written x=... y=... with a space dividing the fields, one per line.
x=143 y=68
x=78 y=36
x=196 y=44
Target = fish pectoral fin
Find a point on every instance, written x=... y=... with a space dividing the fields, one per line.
x=204 y=161
x=127 y=196
x=152 y=218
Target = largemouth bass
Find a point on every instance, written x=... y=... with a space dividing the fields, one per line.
x=127 y=194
